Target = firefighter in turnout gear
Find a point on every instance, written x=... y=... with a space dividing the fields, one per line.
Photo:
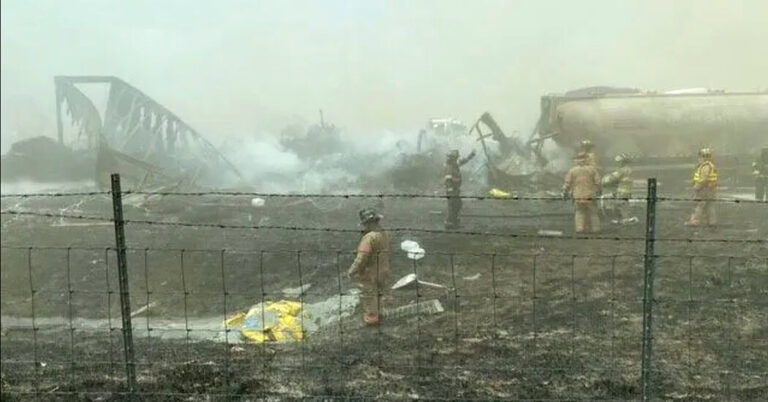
x=370 y=271
x=705 y=189
x=760 y=171
x=452 y=181
x=620 y=184
x=582 y=183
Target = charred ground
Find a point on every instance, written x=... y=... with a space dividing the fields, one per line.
x=547 y=318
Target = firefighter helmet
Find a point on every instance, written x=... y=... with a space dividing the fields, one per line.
x=705 y=153
x=369 y=215
x=622 y=159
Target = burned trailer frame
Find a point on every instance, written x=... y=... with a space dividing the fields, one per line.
x=501 y=165
x=137 y=131
x=661 y=131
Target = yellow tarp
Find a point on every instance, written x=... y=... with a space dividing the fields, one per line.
x=271 y=322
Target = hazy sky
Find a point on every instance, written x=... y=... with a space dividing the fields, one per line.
x=234 y=67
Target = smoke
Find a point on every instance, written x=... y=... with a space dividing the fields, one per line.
x=270 y=166
x=374 y=67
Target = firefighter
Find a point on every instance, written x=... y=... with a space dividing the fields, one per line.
x=760 y=171
x=582 y=184
x=452 y=181
x=370 y=271
x=705 y=190
x=621 y=183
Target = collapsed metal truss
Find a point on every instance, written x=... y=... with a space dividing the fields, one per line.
x=136 y=125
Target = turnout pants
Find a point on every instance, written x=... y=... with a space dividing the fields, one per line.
x=704 y=212
x=454 y=208
x=372 y=290
x=585 y=217
x=761 y=189
x=622 y=206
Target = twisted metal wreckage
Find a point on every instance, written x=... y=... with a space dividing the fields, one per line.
x=141 y=139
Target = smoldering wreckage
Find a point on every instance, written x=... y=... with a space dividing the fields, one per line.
x=155 y=150
x=158 y=153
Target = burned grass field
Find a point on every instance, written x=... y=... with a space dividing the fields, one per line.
x=523 y=316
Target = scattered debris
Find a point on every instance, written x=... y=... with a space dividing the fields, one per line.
x=269 y=322
x=629 y=221
x=298 y=291
x=472 y=278
x=257 y=202
x=550 y=233
x=22 y=162
x=415 y=252
x=496 y=193
x=288 y=321
x=319 y=140
x=411 y=280
x=426 y=307
x=143 y=309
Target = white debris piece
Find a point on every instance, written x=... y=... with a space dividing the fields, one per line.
x=257 y=202
x=411 y=280
x=414 y=251
x=550 y=233
x=472 y=278
x=422 y=308
x=296 y=292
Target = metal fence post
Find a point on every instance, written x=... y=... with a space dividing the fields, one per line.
x=648 y=297
x=125 y=295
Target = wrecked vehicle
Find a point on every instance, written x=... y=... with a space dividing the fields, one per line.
x=439 y=134
x=507 y=163
x=22 y=162
x=319 y=140
x=662 y=131
x=511 y=164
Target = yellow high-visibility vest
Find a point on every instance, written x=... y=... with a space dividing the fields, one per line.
x=711 y=179
x=625 y=181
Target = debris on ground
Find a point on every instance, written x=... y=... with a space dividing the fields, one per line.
x=413 y=249
x=22 y=162
x=496 y=193
x=426 y=307
x=257 y=202
x=287 y=321
x=550 y=233
x=269 y=322
x=143 y=309
x=297 y=291
x=411 y=280
x=472 y=278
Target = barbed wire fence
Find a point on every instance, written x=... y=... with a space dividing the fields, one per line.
x=629 y=326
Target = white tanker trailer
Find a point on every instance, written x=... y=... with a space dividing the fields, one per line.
x=663 y=131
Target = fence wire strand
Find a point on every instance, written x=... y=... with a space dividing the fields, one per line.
x=361 y=196
x=392 y=229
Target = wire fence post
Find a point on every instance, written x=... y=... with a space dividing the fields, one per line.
x=650 y=265
x=122 y=271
